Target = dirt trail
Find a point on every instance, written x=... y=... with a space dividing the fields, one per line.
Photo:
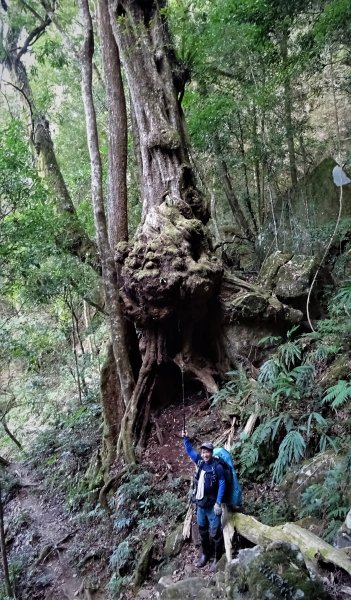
x=57 y=547
x=47 y=537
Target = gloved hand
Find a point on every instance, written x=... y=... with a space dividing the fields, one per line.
x=217 y=509
x=184 y=433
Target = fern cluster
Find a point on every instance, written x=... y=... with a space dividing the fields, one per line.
x=297 y=416
x=329 y=500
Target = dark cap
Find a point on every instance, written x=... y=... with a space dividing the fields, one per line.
x=207 y=446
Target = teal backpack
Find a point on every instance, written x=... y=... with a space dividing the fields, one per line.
x=233 y=493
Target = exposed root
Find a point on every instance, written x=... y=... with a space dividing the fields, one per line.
x=201 y=372
x=145 y=419
x=153 y=356
x=109 y=485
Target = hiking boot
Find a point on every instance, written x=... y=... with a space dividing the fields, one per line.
x=202 y=561
x=213 y=566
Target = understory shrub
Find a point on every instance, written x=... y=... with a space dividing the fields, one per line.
x=329 y=500
x=297 y=417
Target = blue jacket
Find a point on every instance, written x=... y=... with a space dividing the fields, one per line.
x=210 y=491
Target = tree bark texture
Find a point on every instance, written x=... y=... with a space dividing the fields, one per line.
x=109 y=273
x=110 y=391
x=5 y=565
x=155 y=83
x=117 y=212
x=169 y=274
x=289 y=129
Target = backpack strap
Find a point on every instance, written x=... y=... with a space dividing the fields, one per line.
x=199 y=466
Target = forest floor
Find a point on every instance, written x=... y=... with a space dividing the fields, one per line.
x=63 y=554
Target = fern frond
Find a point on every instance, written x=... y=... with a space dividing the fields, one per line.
x=319 y=420
x=292 y=449
x=268 y=371
x=303 y=374
x=248 y=456
x=291 y=331
x=269 y=339
x=342 y=299
x=324 y=441
x=338 y=394
x=289 y=353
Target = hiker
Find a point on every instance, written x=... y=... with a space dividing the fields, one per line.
x=209 y=488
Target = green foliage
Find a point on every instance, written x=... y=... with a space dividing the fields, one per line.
x=291 y=449
x=338 y=394
x=115 y=585
x=291 y=403
x=62 y=454
x=270 y=510
x=328 y=500
x=138 y=504
x=120 y=555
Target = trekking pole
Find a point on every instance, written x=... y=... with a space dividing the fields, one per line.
x=183 y=394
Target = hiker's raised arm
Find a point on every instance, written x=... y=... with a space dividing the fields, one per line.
x=189 y=449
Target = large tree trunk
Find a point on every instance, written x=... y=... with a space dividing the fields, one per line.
x=117 y=212
x=288 y=107
x=109 y=272
x=155 y=81
x=170 y=276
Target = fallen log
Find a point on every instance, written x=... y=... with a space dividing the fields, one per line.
x=314 y=549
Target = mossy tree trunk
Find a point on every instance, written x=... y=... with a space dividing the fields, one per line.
x=170 y=276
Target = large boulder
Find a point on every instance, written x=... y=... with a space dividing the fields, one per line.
x=311 y=471
x=294 y=278
x=143 y=563
x=343 y=537
x=288 y=275
x=174 y=542
x=305 y=215
x=277 y=572
x=185 y=589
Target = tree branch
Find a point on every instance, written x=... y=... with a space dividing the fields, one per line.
x=34 y=36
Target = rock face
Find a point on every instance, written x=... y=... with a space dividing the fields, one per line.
x=275 y=573
x=174 y=542
x=305 y=216
x=288 y=275
x=310 y=472
x=295 y=276
x=343 y=537
x=186 y=589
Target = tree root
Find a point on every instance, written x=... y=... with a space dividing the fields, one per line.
x=203 y=373
x=153 y=356
x=109 y=485
x=314 y=549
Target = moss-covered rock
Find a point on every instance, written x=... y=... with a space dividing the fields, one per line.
x=246 y=305
x=142 y=567
x=186 y=589
x=311 y=471
x=306 y=214
x=271 y=267
x=174 y=542
x=294 y=277
x=338 y=369
x=277 y=572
